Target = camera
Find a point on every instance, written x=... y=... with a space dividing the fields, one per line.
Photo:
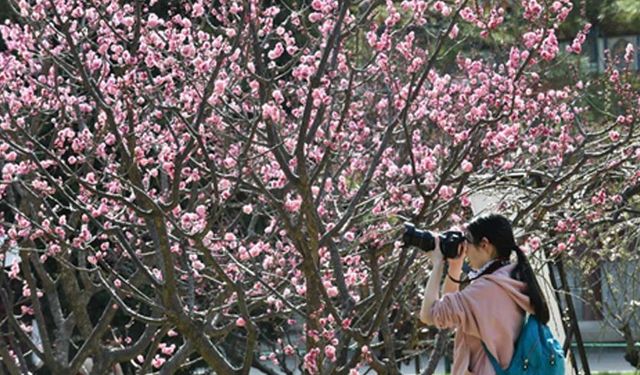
x=425 y=241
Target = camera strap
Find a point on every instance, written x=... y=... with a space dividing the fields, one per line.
x=487 y=269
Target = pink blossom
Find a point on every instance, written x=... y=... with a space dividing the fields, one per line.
x=229 y=162
x=288 y=350
x=158 y=361
x=277 y=96
x=507 y=165
x=301 y=290
x=243 y=254
x=533 y=10
x=276 y=52
x=247 y=209
x=293 y=205
x=317 y=5
x=454 y=32
x=267 y=262
x=628 y=54
x=614 y=136
x=153 y=20
x=468 y=15
x=188 y=51
x=514 y=58
x=311 y=360
x=15 y=269
x=562 y=9
x=465 y=201
x=315 y=17
x=319 y=97
x=330 y=352
x=578 y=41
x=531 y=38
x=158 y=274
x=8 y=171
x=615 y=76
x=617 y=199
x=466 y=166
x=599 y=198
x=198 y=10
x=255 y=250
x=446 y=192
x=26 y=310
x=110 y=139
x=271 y=112
x=372 y=38
x=549 y=47
x=393 y=16
x=167 y=349
x=197 y=265
x=496 y=17
x=534 y=243
x=235 y=8
x=201 y=211
x=240 y=322
x=332 y=291
x=219 y=86
x=442 y=8
x=349 y=236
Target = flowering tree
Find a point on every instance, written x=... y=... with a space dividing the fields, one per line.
x=225 y=182
x=605 y=213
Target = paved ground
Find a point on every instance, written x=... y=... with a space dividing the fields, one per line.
x=608 y=359
x=600 y=360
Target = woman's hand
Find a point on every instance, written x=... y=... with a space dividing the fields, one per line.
x=432 y=289
x=454 y=271
x=456 y=263
x=436 y=255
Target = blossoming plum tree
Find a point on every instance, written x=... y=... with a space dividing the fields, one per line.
x=226 y=183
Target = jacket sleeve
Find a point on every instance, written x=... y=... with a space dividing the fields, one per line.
x=462 y=309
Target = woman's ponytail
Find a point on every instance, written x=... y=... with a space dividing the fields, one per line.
x=497 y=229
x=524 y=273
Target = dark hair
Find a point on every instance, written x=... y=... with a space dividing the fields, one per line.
x=497 y=230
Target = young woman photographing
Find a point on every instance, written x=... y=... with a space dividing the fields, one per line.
x=491 y=309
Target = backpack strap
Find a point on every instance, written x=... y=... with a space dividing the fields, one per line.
x=494 y=362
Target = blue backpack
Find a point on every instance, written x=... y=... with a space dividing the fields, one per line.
x=536 y=352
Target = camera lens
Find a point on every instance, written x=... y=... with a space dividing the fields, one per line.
x=425 y=241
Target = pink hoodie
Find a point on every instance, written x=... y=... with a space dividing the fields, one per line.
x=490 y=310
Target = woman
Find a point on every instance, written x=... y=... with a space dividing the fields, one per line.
x=491 y=309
